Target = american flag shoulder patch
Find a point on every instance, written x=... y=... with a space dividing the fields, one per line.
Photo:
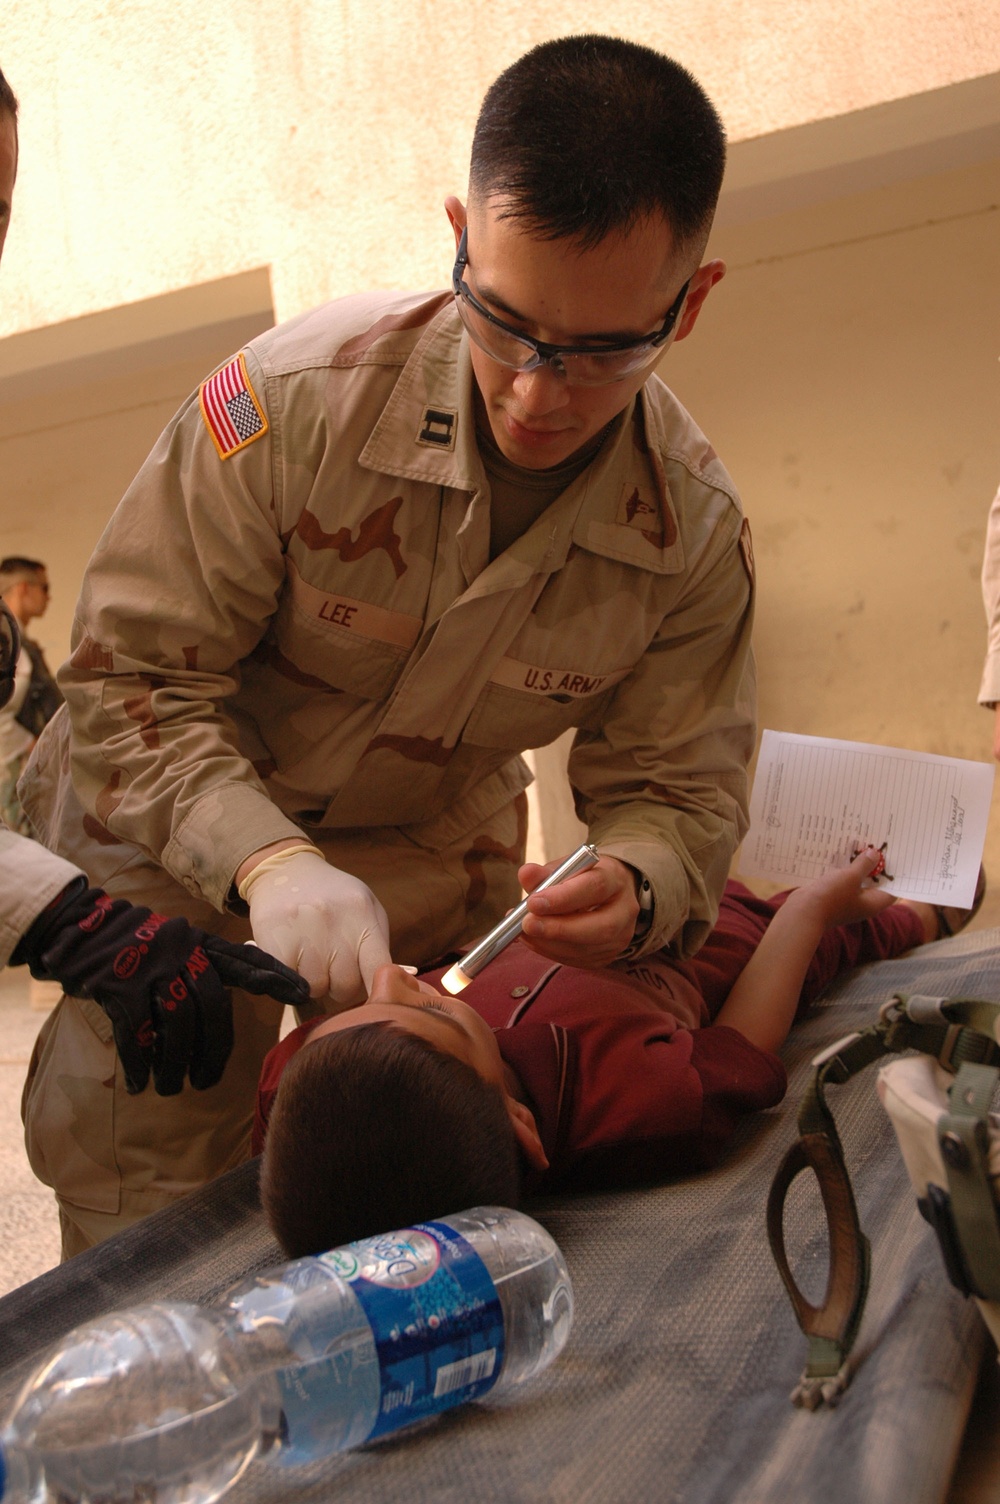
x=229 y=406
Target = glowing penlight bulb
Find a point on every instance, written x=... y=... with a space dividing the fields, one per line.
x=458 y=977
x=455 y=980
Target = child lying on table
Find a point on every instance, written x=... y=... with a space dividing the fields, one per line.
x=416 y=1104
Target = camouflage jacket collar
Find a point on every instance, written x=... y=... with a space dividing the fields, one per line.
x=619 y=507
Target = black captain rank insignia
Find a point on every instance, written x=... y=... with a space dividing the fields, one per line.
x=438 y=428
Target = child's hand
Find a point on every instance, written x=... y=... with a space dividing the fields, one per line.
x=841 y=897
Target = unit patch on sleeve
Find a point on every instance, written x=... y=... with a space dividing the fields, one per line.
x=229 y=406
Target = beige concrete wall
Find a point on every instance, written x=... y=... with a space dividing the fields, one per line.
x=180 y=175
x=73 y=432
x=167 y=145
x=847 y=370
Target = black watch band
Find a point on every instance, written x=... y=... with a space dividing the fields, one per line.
x=644 y=922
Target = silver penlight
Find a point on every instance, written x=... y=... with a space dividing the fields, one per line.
x=458 y=977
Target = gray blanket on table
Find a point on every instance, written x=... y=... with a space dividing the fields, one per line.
x=674 y=1385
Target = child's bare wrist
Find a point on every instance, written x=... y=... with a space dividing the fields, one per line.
x=809 y=907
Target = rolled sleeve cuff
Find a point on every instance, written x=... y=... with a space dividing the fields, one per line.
x=665 y=872
x=218 y=834
x=32 y=877
x=989 y=689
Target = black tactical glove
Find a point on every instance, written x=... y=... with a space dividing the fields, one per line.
x=160 y=981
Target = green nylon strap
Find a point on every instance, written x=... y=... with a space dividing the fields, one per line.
x=963 y=1136
x=833 y=1068
x=976 y=1014
x=826 y=1358
x=953 y=1030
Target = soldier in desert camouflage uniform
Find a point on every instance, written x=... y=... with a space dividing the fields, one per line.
x=388 y=547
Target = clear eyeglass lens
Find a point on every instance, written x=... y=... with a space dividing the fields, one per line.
x=506 y=348
x=596 y=369
x=591 y=369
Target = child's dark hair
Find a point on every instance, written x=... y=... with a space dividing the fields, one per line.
x=373 y=1129
x=587 y=135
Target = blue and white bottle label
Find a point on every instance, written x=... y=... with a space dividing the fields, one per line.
x=435 y=1318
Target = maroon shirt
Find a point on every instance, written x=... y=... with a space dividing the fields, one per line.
x=624 y=1078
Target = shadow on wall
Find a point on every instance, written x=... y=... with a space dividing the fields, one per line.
x=81 y=405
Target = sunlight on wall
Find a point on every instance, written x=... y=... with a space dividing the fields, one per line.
x=160 y=148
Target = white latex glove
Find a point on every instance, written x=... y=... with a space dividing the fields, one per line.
x=325 y=924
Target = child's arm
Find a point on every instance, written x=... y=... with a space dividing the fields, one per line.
x=762 y=1004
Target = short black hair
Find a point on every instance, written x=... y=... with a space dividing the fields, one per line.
x=374 y=1129
x=587 y=135
x=14 y=569
x=8 y=99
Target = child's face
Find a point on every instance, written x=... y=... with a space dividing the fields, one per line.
x=451 y=1026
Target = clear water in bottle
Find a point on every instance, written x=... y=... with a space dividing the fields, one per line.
x=170 y=1403
x=153 y=1403
x=391 y=1330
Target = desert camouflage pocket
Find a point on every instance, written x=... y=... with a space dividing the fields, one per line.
x=68 y=1107
x=517 y=719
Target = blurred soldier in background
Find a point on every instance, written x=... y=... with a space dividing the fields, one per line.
x=24 y=589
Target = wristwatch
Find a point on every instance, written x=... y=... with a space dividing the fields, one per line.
x=644 y=894
x=644 y=921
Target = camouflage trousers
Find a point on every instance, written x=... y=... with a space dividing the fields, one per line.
x=111 y=1158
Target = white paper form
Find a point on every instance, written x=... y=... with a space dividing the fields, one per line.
x=816 y=800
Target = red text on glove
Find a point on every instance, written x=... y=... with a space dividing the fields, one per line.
x=197 y=962
x=126 y=963
x=97 y=915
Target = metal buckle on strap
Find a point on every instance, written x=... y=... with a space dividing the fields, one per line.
x=929 y=1012
x=925 y=1010
x=833 y=1049
x=946 y=1053
x=809 y=1393
x=892 y=1012
x=950 y=1030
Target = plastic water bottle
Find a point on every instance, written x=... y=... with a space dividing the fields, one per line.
x=159 y=1402
x=173 y=1402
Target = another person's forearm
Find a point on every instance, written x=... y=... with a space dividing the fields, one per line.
x=30 y=878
